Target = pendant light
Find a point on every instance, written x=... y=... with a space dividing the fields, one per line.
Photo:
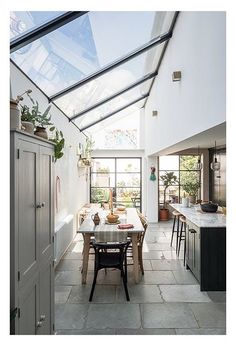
x=199 y=164
x=215 y=165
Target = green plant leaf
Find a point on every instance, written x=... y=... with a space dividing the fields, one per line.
x=52 y=128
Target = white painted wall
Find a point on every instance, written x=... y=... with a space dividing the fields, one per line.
x=197 y=102
x=74 y=187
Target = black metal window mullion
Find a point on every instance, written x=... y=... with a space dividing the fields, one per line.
x=116 y=173
x=175 y=185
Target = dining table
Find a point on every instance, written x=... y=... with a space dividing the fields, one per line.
x=89 y=229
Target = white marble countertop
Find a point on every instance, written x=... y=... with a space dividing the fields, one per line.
x=202 y=219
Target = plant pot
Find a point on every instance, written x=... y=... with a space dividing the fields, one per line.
x=15 y=121
x=27 y=127
x=163 y=214
x=192 y=199
x=41 y=132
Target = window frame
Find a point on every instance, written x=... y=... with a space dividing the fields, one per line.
x=117 y=173
x=179 y=172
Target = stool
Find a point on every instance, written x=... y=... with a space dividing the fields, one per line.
x=182 y=235
x=176 y=217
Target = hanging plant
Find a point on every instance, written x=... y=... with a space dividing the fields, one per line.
x=153 y=175
x=58 y=141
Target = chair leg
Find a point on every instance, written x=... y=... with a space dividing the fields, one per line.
x=173 y=230
x=180 y=237
x=93 y=285
x=184 y=244
x=177 y=235
x=125 y=285
x=140 y=256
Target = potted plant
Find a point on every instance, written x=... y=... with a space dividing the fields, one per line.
x=33 y=116
x=58 y=141
x=28 y=118
x=42 y=120
x=191 y=187
x=168 y=179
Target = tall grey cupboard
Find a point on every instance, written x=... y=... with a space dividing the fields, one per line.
x=31 y=235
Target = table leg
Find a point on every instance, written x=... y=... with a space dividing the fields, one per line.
x=85 y=257
x=135 y=257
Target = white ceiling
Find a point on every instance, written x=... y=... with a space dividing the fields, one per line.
x=206 y=139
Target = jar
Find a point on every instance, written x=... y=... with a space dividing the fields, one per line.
x=15 y=121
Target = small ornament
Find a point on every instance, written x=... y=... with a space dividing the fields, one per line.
x=153 y=176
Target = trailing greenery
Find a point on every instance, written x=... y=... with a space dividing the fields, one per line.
x=58 y=141
x=168 y=179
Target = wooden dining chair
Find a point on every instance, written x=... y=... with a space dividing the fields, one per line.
x=140 y=243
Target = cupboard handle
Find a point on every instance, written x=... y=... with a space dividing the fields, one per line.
x=39 y=205
x=43 y=204
x=42 y=317
x=39 y=324
x=192 y=231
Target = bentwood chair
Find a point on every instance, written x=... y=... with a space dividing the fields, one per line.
x=110 y=255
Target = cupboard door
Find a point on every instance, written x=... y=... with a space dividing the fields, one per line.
x=197 y=260
x=46 y=299
x=28 y=170
x=46 y=199
x=29 y=308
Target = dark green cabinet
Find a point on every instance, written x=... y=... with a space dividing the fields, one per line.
x=206 y=256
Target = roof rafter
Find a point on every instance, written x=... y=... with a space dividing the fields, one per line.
x=114 y=112
x=124 y=90
x=44 y=29
x=142 y=49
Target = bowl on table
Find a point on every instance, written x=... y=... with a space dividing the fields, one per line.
x=209 y=207
x=121 y=208
x=112 y=218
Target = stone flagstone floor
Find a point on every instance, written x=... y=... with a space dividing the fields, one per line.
x=167 y=300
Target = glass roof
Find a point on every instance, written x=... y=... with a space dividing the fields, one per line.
x=119 y=115
x=111 y=82
x=23 y=21
x=77 y=50
x=113 y=105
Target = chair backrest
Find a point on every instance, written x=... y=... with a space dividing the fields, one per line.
x=144 y=222
x=112 y=247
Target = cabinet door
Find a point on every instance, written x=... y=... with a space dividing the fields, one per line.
x=29 y=308
x=189 y=248
x=193 y=250
x=28 y=191
x=46 y=223
x=46 y=299
x=196 y=259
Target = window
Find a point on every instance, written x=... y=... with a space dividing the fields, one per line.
x=183 y=167
x=122 y=175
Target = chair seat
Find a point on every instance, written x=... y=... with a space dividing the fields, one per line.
x=182 y=219
x=177 y=214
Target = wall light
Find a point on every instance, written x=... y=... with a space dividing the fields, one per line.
x=176 y=76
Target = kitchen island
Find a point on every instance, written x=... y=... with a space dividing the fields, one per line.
x=205 y=246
